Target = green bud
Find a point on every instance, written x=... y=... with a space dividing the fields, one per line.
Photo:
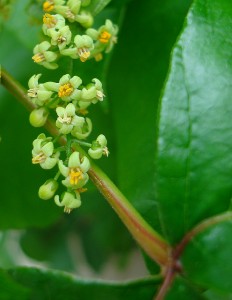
x=48 y=189
x=38 y=117
x=85 y=19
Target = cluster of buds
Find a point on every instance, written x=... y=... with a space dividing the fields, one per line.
x=69 y=98
x=60 y=40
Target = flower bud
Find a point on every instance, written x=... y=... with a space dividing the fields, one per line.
x=48 y=189
x=38 y=117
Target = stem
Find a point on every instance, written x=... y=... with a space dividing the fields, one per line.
x=148 y=239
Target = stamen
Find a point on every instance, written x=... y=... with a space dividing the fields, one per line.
x=65 y=90
x=49 y=20
x=67 y=210
x=39 y=57
x=104 y=37
x=75 y=175
x=83 y=53
x=48 y=6
x=61 y=39
x=32 y=93
x=65 y=119
x=98 y=57
x=100 y=95
x=39 y=158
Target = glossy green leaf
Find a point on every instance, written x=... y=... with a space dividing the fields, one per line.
x=46 y=285
x=135 y=78
x=182 y=289
x=207 y=260
x=194 y=158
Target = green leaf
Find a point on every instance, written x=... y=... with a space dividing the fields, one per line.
x=194 y=158
x=46 y=285
x=207 y=260
x=10 y=289
x=182 y=289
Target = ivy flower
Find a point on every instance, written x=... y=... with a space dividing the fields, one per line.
x=52 y=23
x=37 y=92
x=93 y=93
x=83 y=46
x=67 y=119
x=76 y=172
x=43 y=152
x=67 y=88
x=69 y=201
x=105 y=36
x=62 y=37
x=48 y=189
x=50 y=5
x=44 y=57
x=83 y=131
x=99 y=147
x=70 y=10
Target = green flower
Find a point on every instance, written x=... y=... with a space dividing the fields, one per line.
x=67 y=88
x=50 y=5
x=99 y=147
x=37 y=92
x=67 y=119
x=52 y=23
x=105 y=36
x=83 y=46
x=48 y=189
x=76 y=171
x=38 y=117
x=82 y=131
x=61 y=38
x=93 y=92
x=69 y=11
x=44 y=57
x=43 y=152
x=69 y=201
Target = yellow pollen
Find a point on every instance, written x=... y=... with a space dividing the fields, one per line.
x=98 y=57
x=83 y=53
x=48 y=6
x=49 y=20
x=65 y=90
x=39 y=158
x=83 y=111
x=75 y=175
x=104 y=37
x=39 y=57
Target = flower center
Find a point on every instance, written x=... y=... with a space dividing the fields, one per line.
x=39 y=158
x=61 y=39
x=75 y=175
x=32 y=93
x=70 y=15
x=104 y=37
x=65 y=119
x=65 y=90
x=39 y=57
x=49 y=20
x=83 y=53
x=48 y=6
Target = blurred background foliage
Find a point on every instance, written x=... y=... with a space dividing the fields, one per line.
x=127 y=117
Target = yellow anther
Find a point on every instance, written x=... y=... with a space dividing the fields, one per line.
x=48 y=6
x=39 y=57
x=104 y=37
x=75 y=175
x=83 y=53
x=49 y=20
x=39 y=158
x=65 y=90
x=98 y=57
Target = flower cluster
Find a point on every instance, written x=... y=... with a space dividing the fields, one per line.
x=62 y=41
x=69 y=99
